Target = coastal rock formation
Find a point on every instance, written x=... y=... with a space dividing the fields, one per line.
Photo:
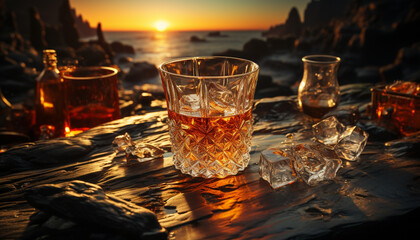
x=83 y=26
x=291 y=28
x=103 y=43
x=195 y=38
x=68 y=25
x=369 y=36
x=216 y=34
x=319 y=13
x=37 y=35
x=49 y=13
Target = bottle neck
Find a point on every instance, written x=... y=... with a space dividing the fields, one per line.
x=50 y=59
x=50 y=64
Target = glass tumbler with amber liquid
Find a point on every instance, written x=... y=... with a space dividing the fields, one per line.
x=319 y=90
x=50 y=111
x=91 y=97
x=209 y=102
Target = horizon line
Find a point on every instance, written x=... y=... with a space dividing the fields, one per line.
x=181 y=30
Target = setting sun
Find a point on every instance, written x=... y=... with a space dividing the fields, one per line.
x=161 y=25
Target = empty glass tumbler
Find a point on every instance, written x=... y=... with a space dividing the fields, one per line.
x=319 y=91
x=210 y=120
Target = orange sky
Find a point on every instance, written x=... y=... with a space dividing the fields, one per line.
x=187 y=14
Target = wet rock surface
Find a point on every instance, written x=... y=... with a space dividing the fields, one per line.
x=92 y=213
x=378 y=195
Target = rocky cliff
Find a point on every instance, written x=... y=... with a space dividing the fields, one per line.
x=319 y=13
x=49 y=13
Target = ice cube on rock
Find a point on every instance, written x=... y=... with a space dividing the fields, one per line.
x=139 y=151
x=328 y=131
x=121 y=142
x=351 y=143
x=276 y=167
x=145 y=151
x=315 y=163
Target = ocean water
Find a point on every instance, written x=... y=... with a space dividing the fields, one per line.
x=158 y=47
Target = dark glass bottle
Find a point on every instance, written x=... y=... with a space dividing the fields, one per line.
x=50 y=120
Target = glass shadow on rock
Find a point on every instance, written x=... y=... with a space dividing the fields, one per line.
x=209 y=107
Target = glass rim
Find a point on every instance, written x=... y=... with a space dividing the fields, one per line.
x=321 y=59
x=113 y=72
x=207 y=57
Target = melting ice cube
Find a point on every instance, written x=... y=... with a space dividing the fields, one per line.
x=121 y=142
x=351 y=143
x=140 y=151
x=328 y=131
x=314 y=163
x=276 y=168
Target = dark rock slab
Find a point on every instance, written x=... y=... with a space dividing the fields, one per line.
x=85 y=207
x=140 y=71
x=367 y=198
x=44 y=153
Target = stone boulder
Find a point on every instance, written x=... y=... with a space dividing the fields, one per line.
x=195 y=38
x=92 y=55
x=255 y=49
x=125 y=60
x=119 y=47
x=140 y=71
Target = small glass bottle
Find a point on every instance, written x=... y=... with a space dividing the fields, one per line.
x=50 y=117
x=319 y=91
